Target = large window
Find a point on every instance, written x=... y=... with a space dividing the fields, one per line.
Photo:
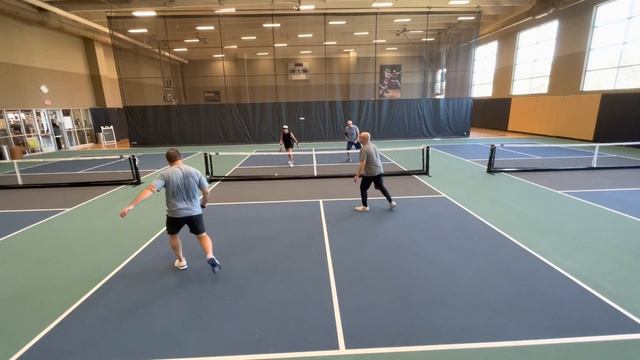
x=484 y=67
x=613 y=61
x=534 y=57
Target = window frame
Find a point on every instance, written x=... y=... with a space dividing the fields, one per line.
x=495 y=65
x=515 y=59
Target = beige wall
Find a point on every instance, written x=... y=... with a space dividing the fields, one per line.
x=33 y=55
x=571 y=45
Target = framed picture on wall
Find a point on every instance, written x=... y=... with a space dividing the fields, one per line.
x=299 y=71
x=390 y=82
x=212 y=96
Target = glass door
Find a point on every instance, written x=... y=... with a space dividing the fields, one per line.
x=88 y=126
x=78 y=125
x=5 y=136
x=57 y=127
x=15 y=128
x=67 y=125
x=31 y=131
x=46 y=132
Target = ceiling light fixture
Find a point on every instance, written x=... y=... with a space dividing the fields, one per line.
x=305 y=35
x=137 y=31
x=226 y=10
x=305 y=52
x=218 y=55
x=337 y=22
x=379 y=41
x=248 y=38
x=270 y=25
x=348 y=50
x=459 y=2
x=231 y=47
x=279 y=45
x=428 y=39
x=192 y=40
x=401 y=20
x=416 y=31
x=391 y=49
x=361 y=33
x=462 y=18
x=180 y=49
x=330 y=43
x=306 y=7
x=381 y=4
x=205 y=27
x=262 y=54
x=144 y=13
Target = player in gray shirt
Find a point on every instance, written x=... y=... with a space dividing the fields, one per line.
x=371 y=171
x=351 y=134
x=183 y=185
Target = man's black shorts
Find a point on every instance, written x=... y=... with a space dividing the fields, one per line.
x=351 y=144
x=195 y=224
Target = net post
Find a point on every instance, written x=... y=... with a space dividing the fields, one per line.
x=315 y=167
x=426 y=159
x=594 y=160
x=206 y=165
x=18 y=175
x=492 y=159
x=133 y=160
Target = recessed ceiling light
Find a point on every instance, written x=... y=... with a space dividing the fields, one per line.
x=330 y=43
x=137 y=31
x=205 y=27
x=305 y=35
x=391 y=48
x=262 y=54
x=459 y=2
x=307 y=7
x=416 y=31
x=401 y=20
x=361 y=33
x=192 y=40
x=180 y=49
x=218 y=55
x=225 y=10
x=248 y=38
x=144 y=13
x=462 y=18
x=305 y=52
x=337 y=22
x=379 y=41
x=231 y=47
x=428 y=39
x=382 y=4
x=270 y=25
x=279 y=45
x=348 y=50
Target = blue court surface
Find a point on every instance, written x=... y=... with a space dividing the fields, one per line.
x=146 y=162
x=12 y=221
x=626 y=201
x=305 y=276
x=304 y=159
x=480 y=152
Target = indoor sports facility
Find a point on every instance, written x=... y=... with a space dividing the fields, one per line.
x=320 y=179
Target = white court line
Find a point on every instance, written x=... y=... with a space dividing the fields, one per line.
x=95 y=288
x=332 y=281
x=531 y=158
x=554 y=266
x=548 y=188
x=82 y=299
x=77 y=206
x=596 y=190
x=425 y=348
x=316 y=200
x=27 y=210
x=315 y=167
x=109 y=163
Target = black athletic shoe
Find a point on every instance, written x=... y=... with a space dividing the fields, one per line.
x=215 y=264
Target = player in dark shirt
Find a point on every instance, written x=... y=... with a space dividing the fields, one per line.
x=287 y=139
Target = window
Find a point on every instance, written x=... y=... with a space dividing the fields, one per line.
x=613 y=61
x=534 y=56
x=484 y=67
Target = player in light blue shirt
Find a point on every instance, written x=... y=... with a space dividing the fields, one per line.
x=351 y=134
x=183 y=186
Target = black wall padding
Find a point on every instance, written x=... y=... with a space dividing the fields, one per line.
x=491 y=113
x=310 y=121
x=111 y=117
x=618 y=118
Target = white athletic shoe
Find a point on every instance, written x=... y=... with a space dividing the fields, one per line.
x=392 y=205
x=361 y=208
x=180 y=265
x=290 y=163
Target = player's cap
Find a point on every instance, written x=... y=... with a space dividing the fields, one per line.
x=285 y=127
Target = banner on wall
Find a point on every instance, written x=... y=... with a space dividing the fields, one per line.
x=212 y=96
x=299 y=71
x=390 y=83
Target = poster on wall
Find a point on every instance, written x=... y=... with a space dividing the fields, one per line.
x=390 y=82
x=299 y=71
x=212 y=96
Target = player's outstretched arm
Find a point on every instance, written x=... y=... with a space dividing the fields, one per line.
x=144 y=194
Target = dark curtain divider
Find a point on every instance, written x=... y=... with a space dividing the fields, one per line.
x=111 y=117
x=491 y=113
x=310 y=121
x=618 y=118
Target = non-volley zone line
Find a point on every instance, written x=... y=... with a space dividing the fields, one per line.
x=316 y=200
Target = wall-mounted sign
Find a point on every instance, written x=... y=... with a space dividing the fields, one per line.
x=299 y=71
x=212 y=96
